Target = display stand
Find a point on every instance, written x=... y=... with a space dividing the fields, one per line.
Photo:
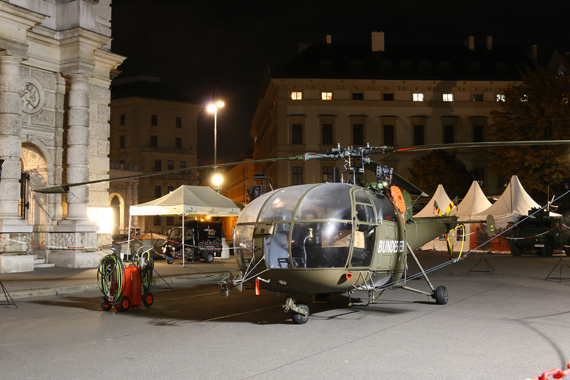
x=560 y=263
x=490 y=270
x=9 y=301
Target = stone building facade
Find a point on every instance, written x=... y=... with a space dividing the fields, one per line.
x=55 y=72
x=154 y=129
x=383 y=94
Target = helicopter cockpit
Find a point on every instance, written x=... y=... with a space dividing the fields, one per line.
x=311 y=226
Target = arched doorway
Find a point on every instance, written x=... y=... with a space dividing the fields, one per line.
x=34 y=206
x=117 y=206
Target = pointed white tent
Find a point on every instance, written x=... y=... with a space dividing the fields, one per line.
x=514 y=202
x=473 y=203
x=440 y=196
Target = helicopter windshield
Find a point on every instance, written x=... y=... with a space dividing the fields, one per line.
x=326 y=202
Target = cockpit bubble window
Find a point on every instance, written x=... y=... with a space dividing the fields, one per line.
x=360 y=196
x=277 y=247
x=282 y=203
x=249 y=214
x=384 y=208
x=243 y=245
x=330 y=201
x=364 y=213
x=320 y=244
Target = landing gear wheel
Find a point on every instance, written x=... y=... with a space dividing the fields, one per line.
x=124 y=303
x=209 y=258
x=148 y=299
x=547 y=250
x=169 y=260
x=441 y=296
x=300 y=319
x=105 y=305
x=516 y=250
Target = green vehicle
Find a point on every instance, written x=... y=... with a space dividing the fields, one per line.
x=540 y=234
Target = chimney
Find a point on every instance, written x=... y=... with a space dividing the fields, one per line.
x=489 y=43
x=329 y=39
x=470 y=43
x=534 y=51
x=377 y=41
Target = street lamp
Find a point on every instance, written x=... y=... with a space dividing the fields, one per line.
x=217 y=180
x=213 y=108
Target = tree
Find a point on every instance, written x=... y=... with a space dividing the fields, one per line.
x=439 y=167
x=537 y=109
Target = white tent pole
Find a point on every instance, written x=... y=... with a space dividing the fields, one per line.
x=129 y=235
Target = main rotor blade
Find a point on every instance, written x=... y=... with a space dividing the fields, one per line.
x=65 y=187
x=490 y=144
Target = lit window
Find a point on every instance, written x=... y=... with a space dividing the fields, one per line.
x=326 y=95
x=501 y=97
x=296 y=95
x=447 y=97
x=418 y=97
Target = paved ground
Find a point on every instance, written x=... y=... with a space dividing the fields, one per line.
x=513 y=324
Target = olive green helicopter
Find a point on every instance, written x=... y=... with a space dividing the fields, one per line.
x=338 y=237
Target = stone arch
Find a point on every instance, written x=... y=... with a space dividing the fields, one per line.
x=117 y=204
x=34 y=162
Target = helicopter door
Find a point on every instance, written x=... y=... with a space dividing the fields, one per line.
x=365 y=231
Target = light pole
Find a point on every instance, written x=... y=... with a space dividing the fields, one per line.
x=213 y=108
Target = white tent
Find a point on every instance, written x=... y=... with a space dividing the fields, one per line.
x=514 y=202
x=189 y=201
x=473 y=203
x=440 y=196
x=192 y=201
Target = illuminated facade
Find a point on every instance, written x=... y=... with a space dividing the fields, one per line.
x=55 y=71
x=383 y=95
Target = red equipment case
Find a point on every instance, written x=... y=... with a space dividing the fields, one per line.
x=132 y=295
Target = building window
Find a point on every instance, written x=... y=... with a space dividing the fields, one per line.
x=157 y=192
x=358 y=134
x=418 y=97
x=389 y=139
x=501 y=97
x=297 y=134
x=419 y=135
x=153 y=141
x=153 y=120
x=447 y=97
x=170 y=189
x=178 y=122
x=328 y=174
x=478 y=133
x=448 y=134
x=297 y=95
x=477 y=97
x=169 y=220
x=170 y=165
x=388 y=97
x=123 y=119
x=178 y=142
x=327 y=134
x=357 y=96
x=297 y=178
x=157 y=165
x=157 y=221
x=182 y=164
x=326 y=95
x=122 y=141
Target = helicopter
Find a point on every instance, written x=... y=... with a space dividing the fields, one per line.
x=338 y=237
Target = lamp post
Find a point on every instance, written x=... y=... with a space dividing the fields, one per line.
x=213 y=108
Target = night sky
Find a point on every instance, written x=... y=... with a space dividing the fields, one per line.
x=199 y=48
